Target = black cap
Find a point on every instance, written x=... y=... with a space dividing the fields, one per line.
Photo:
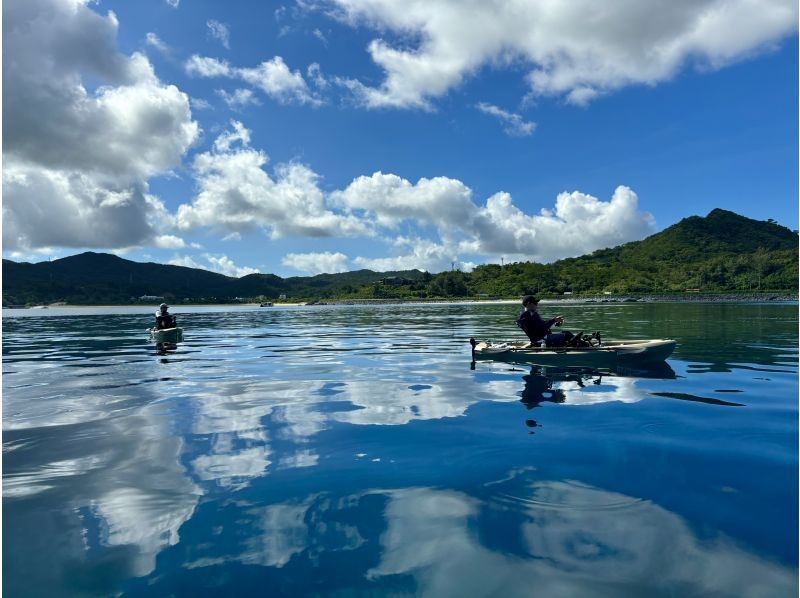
x=529 y=299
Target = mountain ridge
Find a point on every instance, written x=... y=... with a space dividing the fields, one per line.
x=721 y=251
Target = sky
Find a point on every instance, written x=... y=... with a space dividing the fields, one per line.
x=309 y=136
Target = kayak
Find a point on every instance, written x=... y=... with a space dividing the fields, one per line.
x=608 y=354
x=166 y=335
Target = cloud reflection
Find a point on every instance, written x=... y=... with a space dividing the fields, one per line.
x=579 y=541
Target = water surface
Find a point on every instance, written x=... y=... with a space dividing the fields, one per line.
x=354 y=450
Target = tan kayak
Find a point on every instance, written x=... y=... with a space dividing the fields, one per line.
x=609 y=353
x=166 y=335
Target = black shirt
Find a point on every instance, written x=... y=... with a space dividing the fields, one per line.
x=534 y=325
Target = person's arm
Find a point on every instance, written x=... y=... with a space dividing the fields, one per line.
x=556 y=320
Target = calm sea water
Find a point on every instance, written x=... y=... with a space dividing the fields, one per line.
x=354 y=451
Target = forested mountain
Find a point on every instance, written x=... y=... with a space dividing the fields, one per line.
x=721 y=252
x=93 y=278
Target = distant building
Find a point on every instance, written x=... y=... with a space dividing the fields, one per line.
x=151 y=298
x=396 y=280
x=282 y=296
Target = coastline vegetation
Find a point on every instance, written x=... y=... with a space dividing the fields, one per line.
x=721 y=253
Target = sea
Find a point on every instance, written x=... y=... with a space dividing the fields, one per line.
x=360 y=451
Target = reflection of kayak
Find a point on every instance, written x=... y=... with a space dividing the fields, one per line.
x=608 y=354
x=166 y=335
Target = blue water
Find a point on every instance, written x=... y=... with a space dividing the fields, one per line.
x=355 y=451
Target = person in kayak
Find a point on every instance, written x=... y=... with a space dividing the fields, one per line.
x=164 y=319
x=538 y=329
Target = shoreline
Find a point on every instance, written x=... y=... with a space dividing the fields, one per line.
x=591 y=299
x=741 y=297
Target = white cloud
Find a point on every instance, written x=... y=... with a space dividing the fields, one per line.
x=173 y=3
x=169 y=242
x=220 y=32
x=513 y=124
x=151 y=39
x=221 y=264
x=77 y=159
x=199 y=104
x=185 y=261
x=321 y=37
x=239 y=98
x=226 y=139
x=579 y=224
x=431 y=533
x=390 y=199
x=273 y=77
x=276 y=80
x=314 y=73
x=578 y=49
x=422 y=254
x=224 y=265
x=316 y=263
x=203 y=66
x=236 y=194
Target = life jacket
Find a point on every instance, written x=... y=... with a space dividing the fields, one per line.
x=165 y=321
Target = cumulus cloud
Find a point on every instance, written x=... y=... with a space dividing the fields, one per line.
x=76 y=158
x=219 y=263
x=579 y=224
x=390 y=199
x=577 y=50
x=416 y=254
x=236 y=194
x=316 y=263
x=224 y=265
x=513 y=124
x=273 y=77
x=45 y=208
x=173 y=3
x=220 y=32
x=169 y=242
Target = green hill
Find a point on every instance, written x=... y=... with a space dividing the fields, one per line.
x=721 y=252
x=94 y=278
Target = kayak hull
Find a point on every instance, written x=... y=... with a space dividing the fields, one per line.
x=609 y=354
x=166 y=335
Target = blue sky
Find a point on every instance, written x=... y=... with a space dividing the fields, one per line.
x=322 y=136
